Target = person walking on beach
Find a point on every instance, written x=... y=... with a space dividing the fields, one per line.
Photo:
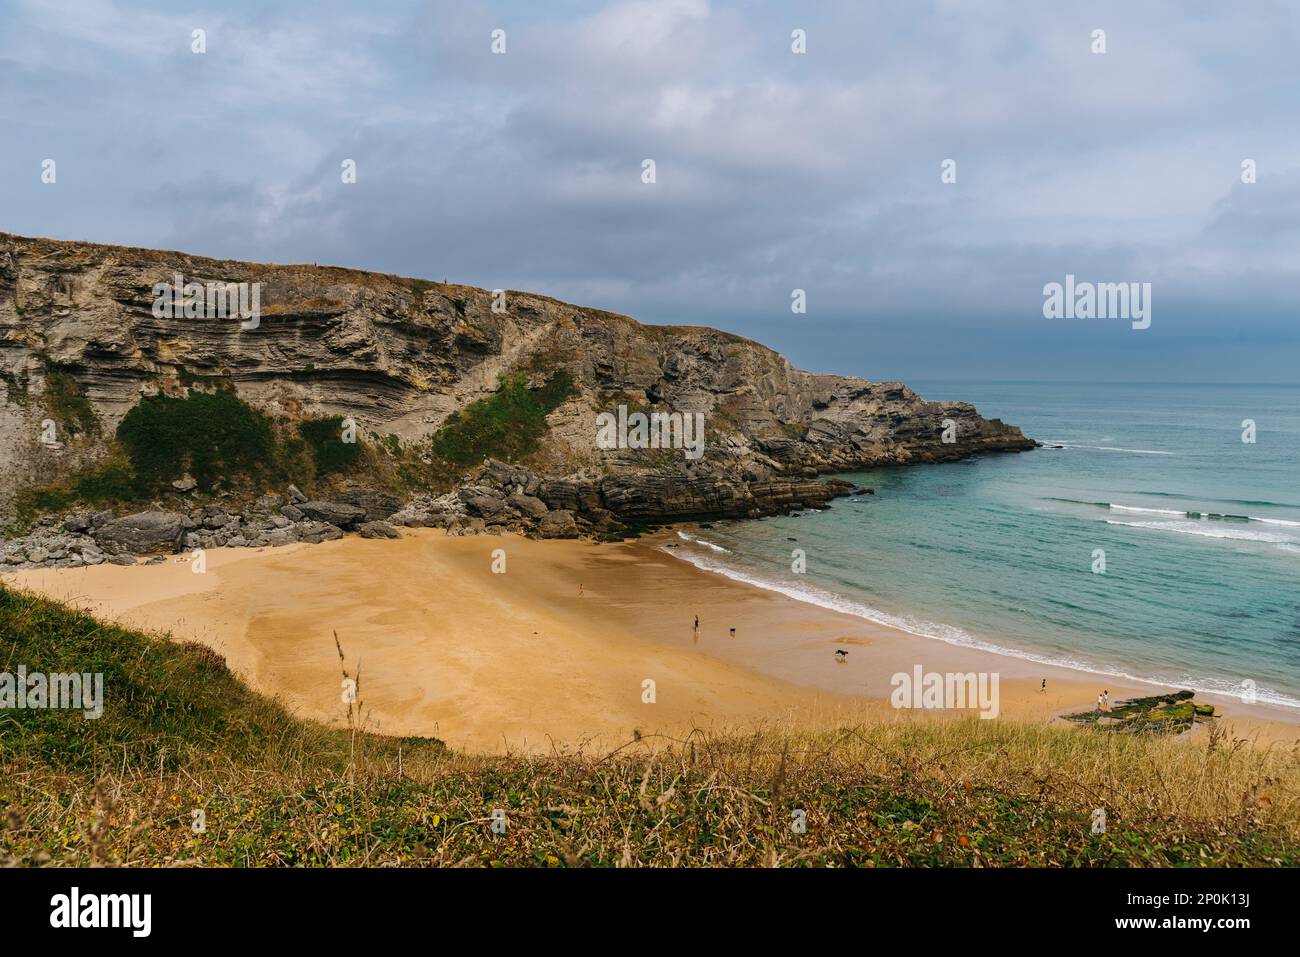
x=733 y=633
x=579 y=589
x=1043 y=686
x=1101 y=700
x=1105 y=700
x=695 y=632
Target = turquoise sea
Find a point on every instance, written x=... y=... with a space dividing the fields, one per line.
x=1200 y=530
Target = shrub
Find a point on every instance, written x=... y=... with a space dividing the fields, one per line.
x=210 y=436
x=109 y=482
x=507 y=424
x=325 y=439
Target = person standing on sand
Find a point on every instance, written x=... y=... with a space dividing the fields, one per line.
x=733 y=633
x=1105 y=700
x=1101 y=699
x=1043 y=686
x=579 y=589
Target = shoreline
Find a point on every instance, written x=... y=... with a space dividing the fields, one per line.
x=552 y=653
x=663 y=541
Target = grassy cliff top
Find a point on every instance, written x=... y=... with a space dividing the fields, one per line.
x=180 y=734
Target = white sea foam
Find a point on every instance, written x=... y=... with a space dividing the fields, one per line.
x=1148 y=511
x=1109 y=448
x=696 y=540
x=1237 y=533
x=1209 y=524
x=1198 y=515
x=813 y=595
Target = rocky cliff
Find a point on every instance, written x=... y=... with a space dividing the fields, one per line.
x=81 y=340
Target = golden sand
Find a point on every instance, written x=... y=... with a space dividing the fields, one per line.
x=554 y=652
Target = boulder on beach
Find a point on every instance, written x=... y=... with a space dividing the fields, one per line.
x=335 y=513
x=141 y=533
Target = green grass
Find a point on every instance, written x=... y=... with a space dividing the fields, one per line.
x=325 y=439
x=180 y=733
x=508 y=424
x=168 y=706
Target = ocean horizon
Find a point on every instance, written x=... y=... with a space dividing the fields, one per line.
x=1146 y=540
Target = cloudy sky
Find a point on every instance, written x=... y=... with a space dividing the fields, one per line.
x=775 y=171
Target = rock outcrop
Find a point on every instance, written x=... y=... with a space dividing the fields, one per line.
x=334 y=513
x=497 y=497
x=142 y=533
x=398 y=356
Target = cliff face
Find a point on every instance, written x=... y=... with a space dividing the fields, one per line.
x=400 y=355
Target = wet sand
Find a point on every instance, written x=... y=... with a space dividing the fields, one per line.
x=555 y=651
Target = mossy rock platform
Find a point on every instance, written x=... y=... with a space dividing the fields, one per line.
x=1160 y=714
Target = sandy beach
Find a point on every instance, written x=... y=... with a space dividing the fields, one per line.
x=556 y=650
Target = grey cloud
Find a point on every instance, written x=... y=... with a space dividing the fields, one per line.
x=775 y=171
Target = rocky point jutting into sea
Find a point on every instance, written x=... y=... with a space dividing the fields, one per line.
x=82 y=345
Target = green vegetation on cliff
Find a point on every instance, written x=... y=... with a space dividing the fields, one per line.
x=508 y=424
x=108 y=482
x=207 y=435
x=328 y=450
x=224 y=443
x=67 y=402
x=213 y=436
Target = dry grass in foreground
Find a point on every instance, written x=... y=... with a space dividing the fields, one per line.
x=180 y=735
